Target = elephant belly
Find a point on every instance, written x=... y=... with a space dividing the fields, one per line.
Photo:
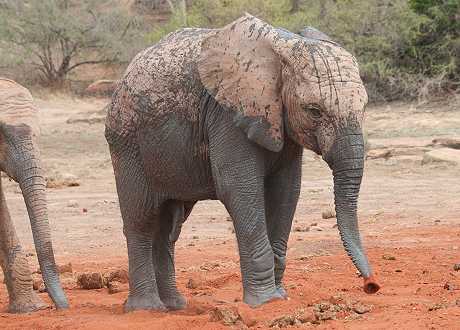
x=176 y=160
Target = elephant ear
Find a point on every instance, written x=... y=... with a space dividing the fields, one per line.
x=239 y=68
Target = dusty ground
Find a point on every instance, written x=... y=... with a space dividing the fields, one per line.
x=409 y=216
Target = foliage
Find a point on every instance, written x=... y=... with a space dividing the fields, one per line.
x=58 y=36
x=405 y=48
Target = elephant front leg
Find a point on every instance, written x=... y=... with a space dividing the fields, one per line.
x=241 y=191
x=282 y=191
x=18 y=278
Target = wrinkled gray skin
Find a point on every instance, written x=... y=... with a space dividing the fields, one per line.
x=176 y=138
x=20 y=160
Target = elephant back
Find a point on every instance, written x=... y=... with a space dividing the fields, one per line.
x=17 y=106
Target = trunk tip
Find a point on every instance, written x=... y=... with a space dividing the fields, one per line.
x=370 y=285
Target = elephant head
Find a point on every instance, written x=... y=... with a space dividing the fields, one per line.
x=20 y=160
x=307 y=88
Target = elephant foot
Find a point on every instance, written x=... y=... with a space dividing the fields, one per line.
x=282 y=291
x=144 y=302
x=255 y=300
x=26 y=304
x=175 y=302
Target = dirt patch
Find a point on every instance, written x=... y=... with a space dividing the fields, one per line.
x=409 y=219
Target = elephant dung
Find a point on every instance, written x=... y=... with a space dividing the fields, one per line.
x=90 y=281
x=228 y=315
x=118 y=275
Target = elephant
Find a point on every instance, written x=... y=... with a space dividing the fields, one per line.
x=224 y=114
x=20 y=160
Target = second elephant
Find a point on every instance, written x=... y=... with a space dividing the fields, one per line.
x=225 y=114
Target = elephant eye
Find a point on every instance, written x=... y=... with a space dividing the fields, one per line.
x=314 y=110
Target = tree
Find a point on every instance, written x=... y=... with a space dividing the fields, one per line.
x=58 y=36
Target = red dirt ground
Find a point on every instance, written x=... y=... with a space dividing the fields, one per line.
x=409 y=217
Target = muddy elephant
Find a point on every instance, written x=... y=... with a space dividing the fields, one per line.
x=20 y=160
x=225 y=114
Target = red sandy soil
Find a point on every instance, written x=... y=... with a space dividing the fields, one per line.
x=409 y=218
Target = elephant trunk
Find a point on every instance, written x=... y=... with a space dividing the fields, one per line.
x=27 y=171
x=346 y=159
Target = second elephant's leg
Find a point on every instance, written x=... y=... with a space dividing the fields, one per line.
x=282 y=191
x=173 y=214
x=18 y=278
x=136 y=206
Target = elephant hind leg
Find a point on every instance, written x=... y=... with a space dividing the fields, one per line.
x=173 y=214
x=18 y=278
x=139 y=225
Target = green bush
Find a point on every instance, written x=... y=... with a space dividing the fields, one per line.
x=406 y=49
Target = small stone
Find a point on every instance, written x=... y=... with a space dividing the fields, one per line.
x=361 y=308
x=84 y=210
x=398 y=270
x=66 y=268
x=450 y=286
x=195 y=237
x=114 y=287
x=90 y=281
x=301 y=229
x=229 y=219
x=72 y=203
x=388 y=257
x=435 y=307
x=328 y=214
x=437 y=220
x=335 y=225
x=37 y=283
x=457 y=267
x=314 y=224
x=191 y=284
x=317 y=228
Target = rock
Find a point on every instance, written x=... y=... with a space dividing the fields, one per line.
x=68 y=283
x=388 y=257
x=328 y=214
x=90 y=281
x=299 y=317
x=103 y=87
x=443 y=155
x=227 y=315
x=301 y=228
x=72 y=203
x=450 y=286
x=379 y=153
x=37 y=283
x=67 y=268
x=115 y=287
x=435 y=307
x=361 y=308
x=453 y=143
x=192 y=284
x=118 y=275
x=58 y=180
x=457 y=267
